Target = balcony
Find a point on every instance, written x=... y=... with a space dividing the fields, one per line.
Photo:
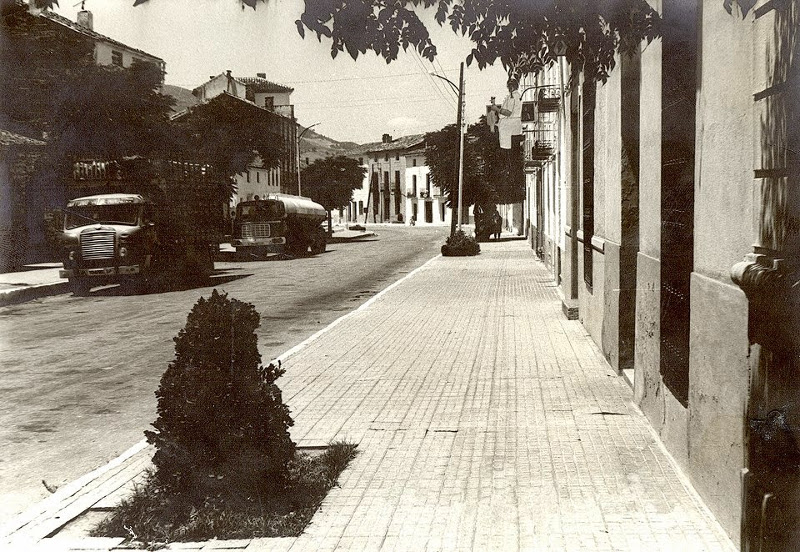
x=540 y=144
x=548 y=100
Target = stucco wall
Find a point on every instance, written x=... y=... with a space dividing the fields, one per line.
x=102 y=53
x=279 y=98
x=725 y=229
x=725 y=202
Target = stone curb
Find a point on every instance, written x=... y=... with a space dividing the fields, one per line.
x=23 y=294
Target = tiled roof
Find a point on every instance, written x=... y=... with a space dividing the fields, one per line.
x=402 y=143
x=8 y=138
x=92 y=34
x=263 y=85
x=225 y=97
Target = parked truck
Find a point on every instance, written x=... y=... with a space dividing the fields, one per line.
x=280 y=223
x=141 y=222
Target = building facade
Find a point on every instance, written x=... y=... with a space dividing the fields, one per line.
x=107 y=51
x=668 y=214
x=258 y=97
x=397 y=185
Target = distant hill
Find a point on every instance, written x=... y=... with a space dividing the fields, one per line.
x=183 y=97
x=315 y=146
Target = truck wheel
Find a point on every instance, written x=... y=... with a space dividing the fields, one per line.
x=135 y=285
x=318 y=243
x=297 y=249
x=79 y=287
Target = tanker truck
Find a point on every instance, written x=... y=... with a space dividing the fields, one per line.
x=141 y=222
x=280 y=223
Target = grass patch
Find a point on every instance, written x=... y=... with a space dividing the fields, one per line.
x=154 y=516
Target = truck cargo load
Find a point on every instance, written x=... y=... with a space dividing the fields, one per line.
x=138 y=221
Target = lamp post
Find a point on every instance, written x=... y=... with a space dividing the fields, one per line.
x=297 y=151
x=460 y=124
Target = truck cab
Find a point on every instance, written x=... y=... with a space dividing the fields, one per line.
x=280 y=223
x=105 y=237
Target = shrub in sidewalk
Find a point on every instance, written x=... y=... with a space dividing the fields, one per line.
x=460 y=245
x=221 y=418
x=225 y=466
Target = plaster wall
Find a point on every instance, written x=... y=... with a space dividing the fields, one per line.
x=650 y=152
x=103 y=55
x=726 y=206
x=278 y=98
x=718 y=388
x=647 y=348
x=217 y=86
x=591 y=300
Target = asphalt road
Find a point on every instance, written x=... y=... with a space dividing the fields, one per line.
x=78 y=374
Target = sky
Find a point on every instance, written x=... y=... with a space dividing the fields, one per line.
x=351 y=100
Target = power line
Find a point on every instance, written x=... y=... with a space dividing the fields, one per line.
x=443 y=94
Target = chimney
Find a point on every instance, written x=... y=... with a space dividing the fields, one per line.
x=386 y=138
x=85 y=20
x=261 y=75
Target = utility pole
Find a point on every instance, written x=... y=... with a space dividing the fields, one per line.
x=460 y=125
x=297 y=152
x=460 y=143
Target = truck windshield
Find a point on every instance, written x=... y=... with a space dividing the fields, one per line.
x=84 y=215
x=267 y=210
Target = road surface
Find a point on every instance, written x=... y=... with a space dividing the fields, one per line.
x=78 y=374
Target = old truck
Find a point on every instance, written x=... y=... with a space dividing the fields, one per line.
x=280 y=223
x=141 y=222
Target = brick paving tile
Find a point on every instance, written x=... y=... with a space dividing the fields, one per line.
x=485 y=421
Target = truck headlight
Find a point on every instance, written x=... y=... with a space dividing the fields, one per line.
x=123 y=251
x=72 y=255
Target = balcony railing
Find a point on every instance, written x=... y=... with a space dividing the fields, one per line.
x=548 y=100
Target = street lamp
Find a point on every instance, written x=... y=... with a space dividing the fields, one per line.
x=460 y=123
x=297 y=151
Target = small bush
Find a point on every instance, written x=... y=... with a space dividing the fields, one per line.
x=221 y=419
x=459 y=245
x=225 y=466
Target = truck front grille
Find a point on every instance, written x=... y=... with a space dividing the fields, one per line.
x=255 y=230
x=97 y=245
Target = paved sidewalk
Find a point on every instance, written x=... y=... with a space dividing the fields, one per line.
x=485 y=421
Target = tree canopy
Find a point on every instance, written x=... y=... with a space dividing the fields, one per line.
x=486 y=167
x=331 y=181
x=230 y=134
x=524 y=35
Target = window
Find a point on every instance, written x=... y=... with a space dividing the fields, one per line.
x=428 y=184
x=361 y=207
x=414 y=185
x=397 y=157
x=360 y=160
x=414 y=162
x=269 y=103
x=306 y=161
x=248 y=177
x=116 y=58
x=258 y=176
x=386 y=157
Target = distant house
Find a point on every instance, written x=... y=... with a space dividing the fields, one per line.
x=269 y=95
x=398 y=184
x=107 y=51
x=258 y=97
